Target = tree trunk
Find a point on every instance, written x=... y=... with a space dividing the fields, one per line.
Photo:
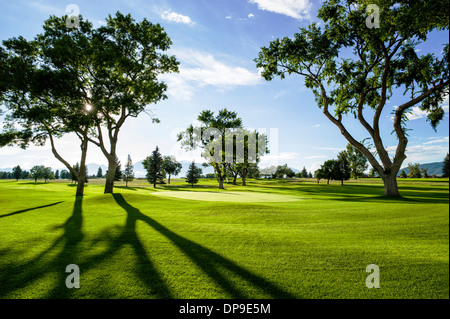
x=221 y=184
x=235 y=180
x=244 y=180
x=169 y=179
x=109 y=184
x=390 y=185
x=82 y=174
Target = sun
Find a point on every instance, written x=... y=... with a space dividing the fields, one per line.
x=88 y=107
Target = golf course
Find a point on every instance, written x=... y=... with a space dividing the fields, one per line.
x=274 y=239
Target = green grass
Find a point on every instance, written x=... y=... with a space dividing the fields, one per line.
x=281 y=239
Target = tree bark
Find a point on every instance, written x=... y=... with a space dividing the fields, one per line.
x=390 y=185
x=244 y=180
x=109 y=184
x=82 y=174
x=221 y=184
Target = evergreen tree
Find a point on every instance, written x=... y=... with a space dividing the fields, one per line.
x=57 y=174
x=193 y=174
x=99 y=173
x=128 y=174
x=304 y=173
x=17 y=172
x=154 y=166
x=403 y=174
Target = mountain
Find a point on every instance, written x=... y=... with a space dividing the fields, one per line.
x=433 y=168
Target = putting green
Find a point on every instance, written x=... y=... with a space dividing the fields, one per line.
x=241 y=197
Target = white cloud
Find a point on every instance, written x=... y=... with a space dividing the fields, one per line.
x=176 y=17
x=427 y=152
x=297 y=9
x=251 y=15
x=228 y=17
x=416 y=113
x=200 y=69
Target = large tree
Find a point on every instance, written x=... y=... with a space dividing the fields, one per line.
x=211 y=137
x=384 y=59
x=129 y=58
x=43 y=89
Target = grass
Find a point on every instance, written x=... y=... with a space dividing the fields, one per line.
x=147 y=243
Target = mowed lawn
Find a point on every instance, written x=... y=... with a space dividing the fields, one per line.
x=271 y=239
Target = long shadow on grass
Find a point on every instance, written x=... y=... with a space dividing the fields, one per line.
x=14 y=277
x=29 y=209
x=20 y=276
x=208 y=261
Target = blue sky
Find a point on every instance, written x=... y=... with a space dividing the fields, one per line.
x=216 y=42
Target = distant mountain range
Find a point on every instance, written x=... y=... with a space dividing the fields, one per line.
x=433 y=168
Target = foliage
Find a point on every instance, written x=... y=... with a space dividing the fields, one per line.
x=352 y=68
x=171 y=167
x=128 y=174
x=154 y=166
x=446 y=167
x=193 y=174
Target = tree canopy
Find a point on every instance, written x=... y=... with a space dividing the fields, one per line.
x=384 y=59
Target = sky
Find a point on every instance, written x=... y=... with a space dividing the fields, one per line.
x=216 y=42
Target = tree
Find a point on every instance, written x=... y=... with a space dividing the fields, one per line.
x=48 y=174
x=99 y=173
x=446 y=167
x=17 y=172
x=384 y=61
x=64 y=174
x=304 y=173
x=57 y=174
x=357 y=161
x=153 y=164
x=342 y=171
x=126 y=67
x=46 y=92
x=284 y=170
x=319 y=174
x=128 y=174
x=118 y=172
x=171 y=167
x=74 y=173
x=328 y=169
x=210 y=137
x=414 y=170
x=310 y=175
x=37 y=172
x=193 y=174
x=403 y=174
x=424 y=173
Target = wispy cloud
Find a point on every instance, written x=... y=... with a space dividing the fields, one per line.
x=171 y=16
x=427 y=152
x=200 y=69
x=297 y=9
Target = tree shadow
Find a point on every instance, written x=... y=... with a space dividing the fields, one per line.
x=21 y=276
x=208 y=261
x=29 y=209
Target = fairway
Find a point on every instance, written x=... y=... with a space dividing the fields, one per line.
x=237 y=197
x=314 y=241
